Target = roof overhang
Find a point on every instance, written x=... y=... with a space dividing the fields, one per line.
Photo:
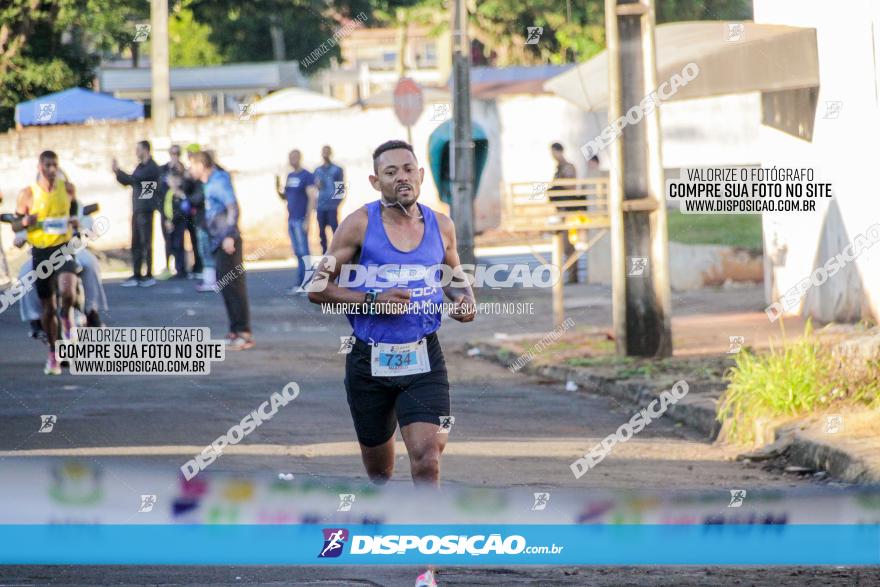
x=767 y=58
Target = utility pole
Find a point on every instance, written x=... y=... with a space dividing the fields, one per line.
x=278 y=48
x=160 y=104
x=462 y=156
x=161 y=90
x=637 y=204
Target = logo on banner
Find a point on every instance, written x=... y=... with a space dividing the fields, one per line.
x=541 y=501
x=147 y=503
x=737 y=497
x=346 y=500
x=334 y=540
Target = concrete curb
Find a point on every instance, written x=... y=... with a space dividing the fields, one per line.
x=839 y=464
x=697 y=411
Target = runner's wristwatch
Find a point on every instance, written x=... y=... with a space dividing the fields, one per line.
x=370 y=299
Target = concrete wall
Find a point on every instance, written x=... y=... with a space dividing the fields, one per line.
x=843 y=151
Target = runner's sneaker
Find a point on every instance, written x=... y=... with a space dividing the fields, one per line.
x=165 y=275
x=66 y=328
x=147 y=282
x=240 y=343
x=38 y=333
x=130 y=282
x=426 y=579
x=52 y=367
x=204 y=287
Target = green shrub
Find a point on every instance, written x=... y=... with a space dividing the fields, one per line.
x=799 y=379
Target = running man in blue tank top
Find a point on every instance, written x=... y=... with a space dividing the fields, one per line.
x=395 y=373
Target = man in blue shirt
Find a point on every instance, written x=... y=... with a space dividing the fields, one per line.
x=296 y=191
x=221 y=223
x=331 y=191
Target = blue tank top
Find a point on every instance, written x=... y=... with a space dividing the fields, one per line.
x=404 y=271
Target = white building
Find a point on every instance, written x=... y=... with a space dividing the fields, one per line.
x=839 y=122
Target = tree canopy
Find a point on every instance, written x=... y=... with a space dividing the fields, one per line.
x=51 y=45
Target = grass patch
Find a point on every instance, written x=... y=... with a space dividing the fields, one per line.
x=737 y=230
x=696 y=368
x=796 y=380
x=612 y=361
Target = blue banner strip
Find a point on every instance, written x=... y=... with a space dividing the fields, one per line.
x=499 y=545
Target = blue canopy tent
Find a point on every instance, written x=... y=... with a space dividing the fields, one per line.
x=75 y=106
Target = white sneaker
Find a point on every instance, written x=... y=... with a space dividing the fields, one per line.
x=52 y=367
x=130 y=282
x=209 y=276
x=426 y=579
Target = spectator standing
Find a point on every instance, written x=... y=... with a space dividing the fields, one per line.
x=565 y=170
x=144 y=182
x=221 y=222
x=174 y=220
x=329 y=179
x=174 y=165
x=297 y=187
x=204 y=264
x=7 y=276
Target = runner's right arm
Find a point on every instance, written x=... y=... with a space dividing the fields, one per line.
x=344 y=247
x=22 y=208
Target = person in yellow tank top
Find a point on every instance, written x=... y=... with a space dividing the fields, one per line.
x=46 y=207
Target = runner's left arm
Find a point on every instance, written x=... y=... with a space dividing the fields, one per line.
x=74 y=205
x=459 y=291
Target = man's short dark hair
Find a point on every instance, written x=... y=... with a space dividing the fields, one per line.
x=47 y=155
x=557 y=147
x=594 y=159
x=390 y=146
x=145 y=145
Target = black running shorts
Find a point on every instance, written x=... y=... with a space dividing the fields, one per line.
x=379 y=404
x=46 y=287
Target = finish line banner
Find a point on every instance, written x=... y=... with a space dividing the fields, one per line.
x=469 y=545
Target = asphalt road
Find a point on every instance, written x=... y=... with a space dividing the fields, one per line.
x=509 y=429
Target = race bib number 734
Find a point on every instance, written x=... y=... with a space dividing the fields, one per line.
x=390 y=360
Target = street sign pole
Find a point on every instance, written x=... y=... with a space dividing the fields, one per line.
x=408 y=104
x=462 y=156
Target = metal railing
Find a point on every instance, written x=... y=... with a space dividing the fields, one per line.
x=558 y=205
